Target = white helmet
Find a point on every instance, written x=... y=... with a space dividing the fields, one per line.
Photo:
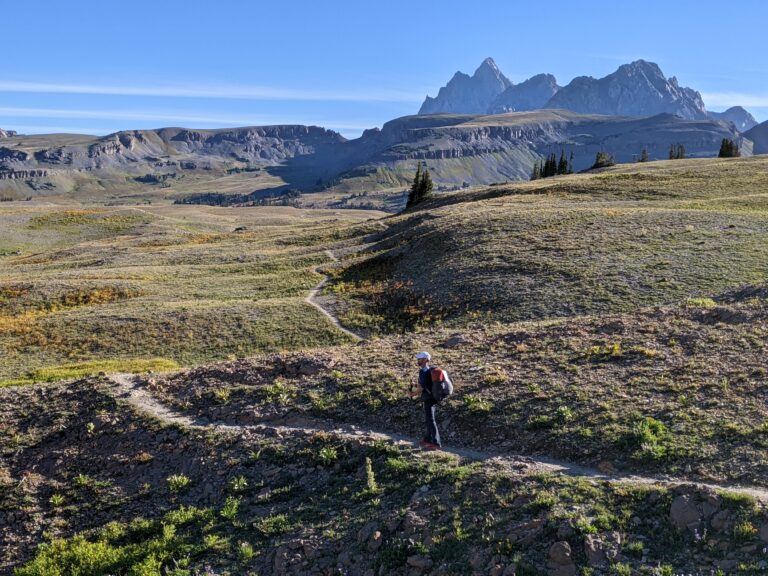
x=423 y=356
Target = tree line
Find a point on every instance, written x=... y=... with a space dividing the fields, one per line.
x=552 y=166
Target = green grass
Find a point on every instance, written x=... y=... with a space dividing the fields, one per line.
x=96 y=285
x=586 y=244
x=84 y=369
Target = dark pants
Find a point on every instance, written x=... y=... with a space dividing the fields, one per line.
x=430 y=408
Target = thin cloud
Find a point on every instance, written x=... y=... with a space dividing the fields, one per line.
x=171 y=118
x=729 y=99
x=222 y=92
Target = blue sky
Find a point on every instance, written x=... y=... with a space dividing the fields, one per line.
x=97 y=67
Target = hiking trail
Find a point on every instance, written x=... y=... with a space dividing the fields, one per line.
x=129 y=388
x=312 y=300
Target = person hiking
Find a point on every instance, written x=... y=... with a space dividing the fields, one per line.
x=435 y=385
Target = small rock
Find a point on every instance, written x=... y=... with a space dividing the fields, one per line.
x=593 y=548
x=606 y=467
x=560 y=562
x=684 y=513
x=726 y=564
x=419 y=561
x=565 y=531
x=375 y=542
x=560 y=553
x=721 y=520
x=455 y=342
x=764 y=532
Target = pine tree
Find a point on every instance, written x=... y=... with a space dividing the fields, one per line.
x=729 y=149
x=414 y=192
x=603 y=160
x=570 y=163
x=562 y=165
x=536 y=174
x=671 y=151
x=680 y=151
x=426 y=186
x=644 y=155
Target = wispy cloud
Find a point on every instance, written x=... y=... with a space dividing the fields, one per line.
x=167 y=118
x=734 y=99
x=222 y=92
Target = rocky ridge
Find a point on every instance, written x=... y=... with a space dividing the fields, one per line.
x=532 y=94
x=740 y=118
x=759 y=135
x=636 y=89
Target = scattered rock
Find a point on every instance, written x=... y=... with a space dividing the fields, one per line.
x=721 y=520
x=420 y=562
x=560 y=561
x=375 y=541
x=684 y=513
x=455 y=342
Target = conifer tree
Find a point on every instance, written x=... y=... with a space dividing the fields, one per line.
x=562 y=165
x=729 y=149
x=425 y=187
x=536 y=174
x=671 y=151
x=644 y=155
x=680 y=151
x=570 y=163
x=414 y=192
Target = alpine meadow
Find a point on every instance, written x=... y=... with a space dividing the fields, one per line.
x=209 y=330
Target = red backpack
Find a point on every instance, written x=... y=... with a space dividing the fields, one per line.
x=442 y=387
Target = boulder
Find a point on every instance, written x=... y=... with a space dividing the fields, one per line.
x=684 y=512
x=560 y=562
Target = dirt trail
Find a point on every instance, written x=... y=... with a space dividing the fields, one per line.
x=312 y=300
x=128 y=387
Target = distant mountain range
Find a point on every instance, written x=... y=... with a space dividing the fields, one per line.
x=242 y=164
x=479 y=129
x=636 y=89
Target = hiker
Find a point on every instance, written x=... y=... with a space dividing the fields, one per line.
x=435 y=385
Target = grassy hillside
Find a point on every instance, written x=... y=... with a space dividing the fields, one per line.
x=173 y=286
x=629 y=237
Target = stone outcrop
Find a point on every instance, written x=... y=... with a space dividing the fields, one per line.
x=21 y=174
x=9 y=154
x=7 y=133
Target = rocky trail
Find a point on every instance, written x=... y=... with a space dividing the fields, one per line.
x=128 y=387
x=312 y=300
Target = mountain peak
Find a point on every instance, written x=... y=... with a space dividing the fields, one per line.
x=488 y=64
x=468 y=94
x=635 y=89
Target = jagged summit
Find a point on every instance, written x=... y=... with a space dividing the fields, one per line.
x=635 y=89
x=638 y=88
x=469 y=94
